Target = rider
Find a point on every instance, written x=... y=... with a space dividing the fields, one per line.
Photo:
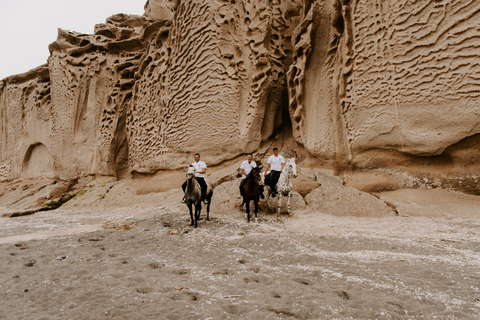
x=246 y=167
x=277 y=163
x=200 y=169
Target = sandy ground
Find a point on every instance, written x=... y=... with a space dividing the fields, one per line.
x=128 y=256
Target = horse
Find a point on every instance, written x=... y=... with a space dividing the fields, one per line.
x=284 y=184
x=193 y=197
x=252 y=192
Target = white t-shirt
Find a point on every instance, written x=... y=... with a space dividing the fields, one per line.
x=276 y=162
x=247 y=167
x=198 y=167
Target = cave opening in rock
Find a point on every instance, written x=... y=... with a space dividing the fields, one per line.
x=38 y=162
x=283 y=122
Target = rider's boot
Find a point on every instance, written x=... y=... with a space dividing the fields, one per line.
x=274 y=193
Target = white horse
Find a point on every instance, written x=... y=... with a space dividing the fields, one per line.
x=284 y=184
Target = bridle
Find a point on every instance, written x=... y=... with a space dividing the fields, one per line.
x=256 y=176
x=190 y=173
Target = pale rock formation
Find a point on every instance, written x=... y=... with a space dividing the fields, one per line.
x=159 y=9
x=68 y=119
x=365 y=83
x=213 y=83
x=335 y=199
x=397 y=75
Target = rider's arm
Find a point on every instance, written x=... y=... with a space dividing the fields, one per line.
x=266 y=169
x=201 y=171
x=243 y=172
x=283 y=166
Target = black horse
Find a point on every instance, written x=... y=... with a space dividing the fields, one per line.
x=252 y=192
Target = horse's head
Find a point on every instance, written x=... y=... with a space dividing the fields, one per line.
x=255 y=174
x=190 y=172
x=292 y=167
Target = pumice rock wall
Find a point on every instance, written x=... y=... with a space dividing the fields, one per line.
x=360 y=82
x=145 y=93
x=212 y=83
x=67 y=119
x=393 y=75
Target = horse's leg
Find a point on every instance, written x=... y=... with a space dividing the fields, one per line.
x=247 y=210
x=288 y=202
x=279 y=203
x=209 y=198
x=268 y=198
x=198 y=208
x=191 y=213
x=208 y=211
x=256 y=209
x=199 y=211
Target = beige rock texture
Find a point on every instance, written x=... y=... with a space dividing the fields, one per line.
x=382 y=86
x=391 y=75
x=377 y=100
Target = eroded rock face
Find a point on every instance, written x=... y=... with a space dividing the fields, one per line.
x=144 y=93
x=362 y=82
x=68 y=119
x=212 y=83
x=160 y=9
x=397 y=75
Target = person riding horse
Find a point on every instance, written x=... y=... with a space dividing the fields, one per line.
x=246 y=167
x=200 y=169
x=276 y=162
x=252 y=192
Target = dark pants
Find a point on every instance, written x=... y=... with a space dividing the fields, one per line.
x=272 y=182
x=203 y=186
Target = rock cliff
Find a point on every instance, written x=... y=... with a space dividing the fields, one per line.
x=366 y=84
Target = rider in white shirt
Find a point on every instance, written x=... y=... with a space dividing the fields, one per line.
x=200 y=169
x=246 y=167
x=276 y=163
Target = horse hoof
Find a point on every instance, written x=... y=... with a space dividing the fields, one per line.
x=256 y=220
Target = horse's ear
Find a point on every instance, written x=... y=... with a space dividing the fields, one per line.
x=190 y=166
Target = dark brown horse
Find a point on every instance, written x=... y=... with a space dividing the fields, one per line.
x=252 y=192
x=193 y=197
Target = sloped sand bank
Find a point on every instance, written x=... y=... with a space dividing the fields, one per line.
x=91 y=260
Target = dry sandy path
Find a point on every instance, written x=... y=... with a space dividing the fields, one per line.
x=146 y=262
